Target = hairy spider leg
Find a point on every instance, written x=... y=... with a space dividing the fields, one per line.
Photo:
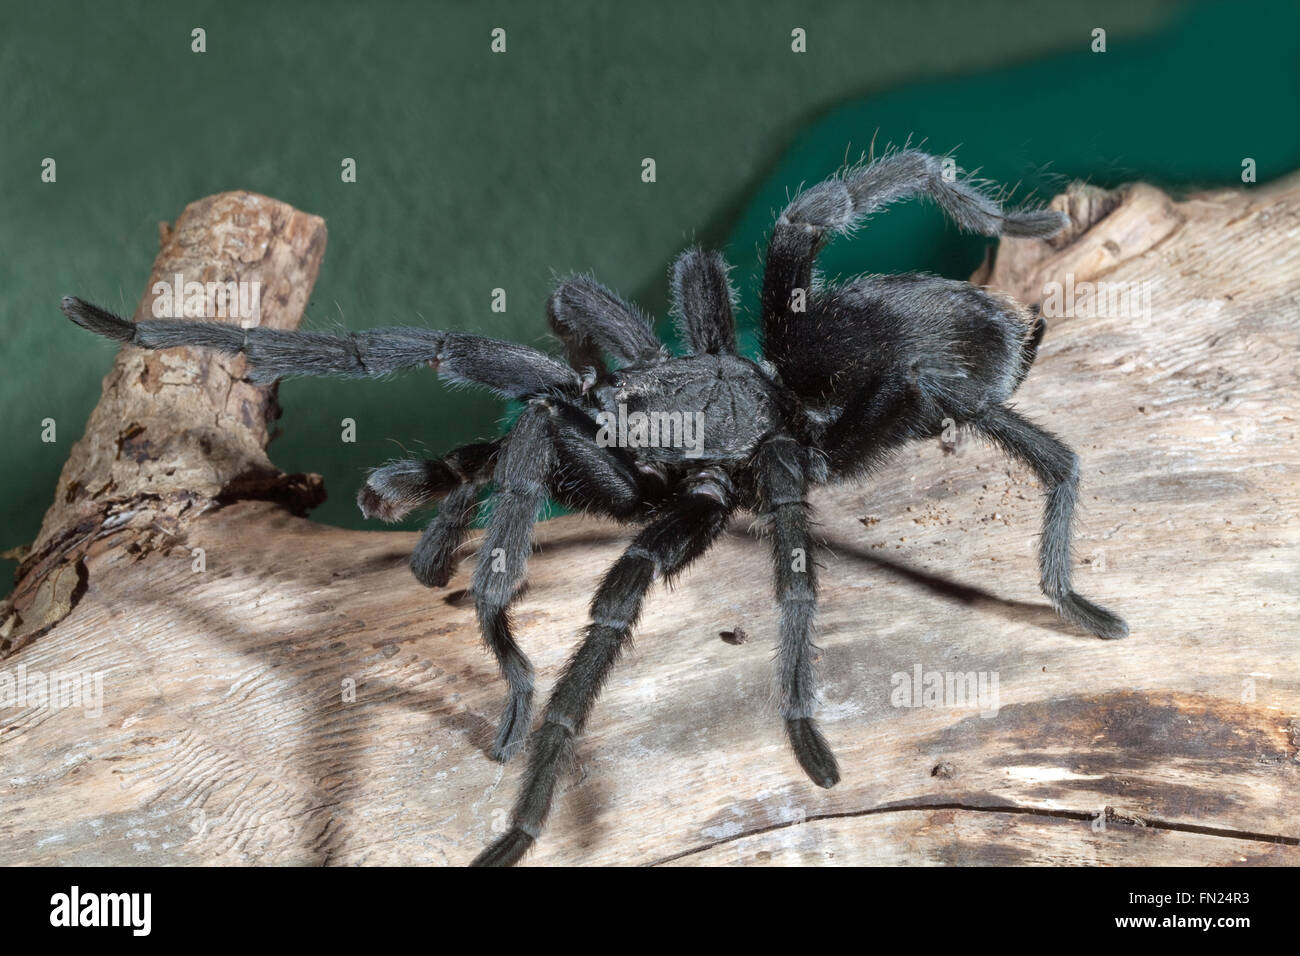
x=593 y=322
x=840 y=204
x=686 y=527
x=781 y=473
x=603 y=480
x=527 y=468
x=702 y=300
x=436 y=554
x=878 y=417
x=1057 y=467
x=394 y=490
x=510 y=370
x=523 y=470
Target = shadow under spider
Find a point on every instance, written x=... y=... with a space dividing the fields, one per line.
x=335 y=730
x=337 y=735
x=1040 y=615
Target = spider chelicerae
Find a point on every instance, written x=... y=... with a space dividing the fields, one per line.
x=850 y=372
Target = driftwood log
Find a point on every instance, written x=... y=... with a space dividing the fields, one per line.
x=277 y=691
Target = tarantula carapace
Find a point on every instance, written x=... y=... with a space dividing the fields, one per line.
x=851 y=371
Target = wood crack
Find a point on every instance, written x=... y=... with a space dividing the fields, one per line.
x=1113 y=818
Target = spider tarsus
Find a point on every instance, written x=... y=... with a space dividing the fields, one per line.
x=506 y=850
x=1034 y=223
x=812 y=752
x=512 y=731
x=374 y=505
x=1077 y=609
x=431 y=576
x=97 y=320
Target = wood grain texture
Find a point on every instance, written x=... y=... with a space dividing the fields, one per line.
x=226 y=735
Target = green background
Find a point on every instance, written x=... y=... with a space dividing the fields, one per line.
x=478 y=171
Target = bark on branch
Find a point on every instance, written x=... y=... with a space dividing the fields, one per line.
x=176 y=432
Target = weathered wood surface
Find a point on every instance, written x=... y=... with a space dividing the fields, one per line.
x=175 y=432
x=225 y=736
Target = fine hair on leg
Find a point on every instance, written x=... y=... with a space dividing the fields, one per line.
x=685 y=529
x=1057 y=467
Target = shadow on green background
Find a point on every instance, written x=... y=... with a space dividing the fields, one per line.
x=478 y=171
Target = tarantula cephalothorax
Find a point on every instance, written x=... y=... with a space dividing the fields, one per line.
x=851 y=372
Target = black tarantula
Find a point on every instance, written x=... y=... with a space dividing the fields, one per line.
x=852 y=371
